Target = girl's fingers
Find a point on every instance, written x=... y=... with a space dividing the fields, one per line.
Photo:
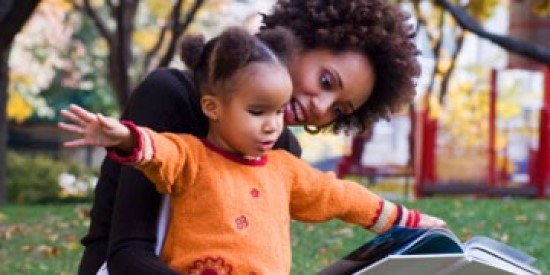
x=72 y=117
x=75 y=143
x=82 y=113
x=105 y=123
x=111 y=125
x=70 y=128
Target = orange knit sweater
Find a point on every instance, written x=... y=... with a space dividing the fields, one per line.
x=232 y=215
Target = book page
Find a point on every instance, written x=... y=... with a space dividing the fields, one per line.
x=412 y=264
x=490 y=251
x=433 y=241
x=500 y=248
x=470 y=267
x=432 y=251
x=488 y=257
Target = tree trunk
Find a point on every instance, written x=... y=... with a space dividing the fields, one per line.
x=3 y=121
x=13 y=15
x=120 y=58
x=118 y=75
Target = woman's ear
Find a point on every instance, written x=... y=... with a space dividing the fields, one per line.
x=211 y=107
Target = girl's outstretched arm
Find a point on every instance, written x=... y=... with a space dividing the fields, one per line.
x=96 y=130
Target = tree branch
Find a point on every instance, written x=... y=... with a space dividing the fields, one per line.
x=447 y=76
x=111 y=5
x=422 y=21
x=513 y=45
x=173 y=24
x=100 y=24
x=436 y=53
x=154 y=50
x=179 y=31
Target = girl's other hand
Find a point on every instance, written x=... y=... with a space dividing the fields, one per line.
x=427 y=221
x=93 y=129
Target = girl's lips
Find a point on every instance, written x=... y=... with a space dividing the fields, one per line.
x=295 y=112
x=267 y=145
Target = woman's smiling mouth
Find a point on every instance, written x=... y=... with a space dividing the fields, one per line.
x=295 y=113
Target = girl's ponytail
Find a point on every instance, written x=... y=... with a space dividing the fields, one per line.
x=192 y=47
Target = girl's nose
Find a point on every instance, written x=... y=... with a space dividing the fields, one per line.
x=272 y=124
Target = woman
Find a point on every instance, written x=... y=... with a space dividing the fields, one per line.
x=358 y=64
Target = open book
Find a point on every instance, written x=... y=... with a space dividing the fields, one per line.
x=432 y=251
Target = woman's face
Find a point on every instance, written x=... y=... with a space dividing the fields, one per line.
x=326 y=85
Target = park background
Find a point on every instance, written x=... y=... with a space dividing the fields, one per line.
x=57 y=52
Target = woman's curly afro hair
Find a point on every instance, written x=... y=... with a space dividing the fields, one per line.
x=374 y=27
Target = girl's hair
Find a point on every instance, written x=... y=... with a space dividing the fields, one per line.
x=217 y=60
x=378 y=29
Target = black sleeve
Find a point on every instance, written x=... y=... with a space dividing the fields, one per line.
x=162 y=102
x=288 y=141
x=95 y=242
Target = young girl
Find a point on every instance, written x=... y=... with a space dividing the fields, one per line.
x=232 y=197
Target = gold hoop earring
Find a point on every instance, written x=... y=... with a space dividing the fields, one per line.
x=312 y=129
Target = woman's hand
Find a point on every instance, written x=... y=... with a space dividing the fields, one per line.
x=427 y=221
x=95 y=130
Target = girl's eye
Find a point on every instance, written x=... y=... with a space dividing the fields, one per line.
x=326 y=81
x=281 y=111
x=255 y=112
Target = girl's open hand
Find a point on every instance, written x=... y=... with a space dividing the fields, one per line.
x=94 y=129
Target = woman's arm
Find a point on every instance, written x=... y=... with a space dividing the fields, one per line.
x=95 y=242
x=289 y=142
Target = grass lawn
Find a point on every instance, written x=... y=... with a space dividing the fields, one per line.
x=43 y=239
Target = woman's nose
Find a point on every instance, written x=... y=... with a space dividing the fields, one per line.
x=320 y=106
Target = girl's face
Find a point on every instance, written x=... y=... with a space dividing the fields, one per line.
x=250 y=120
x=326 y=85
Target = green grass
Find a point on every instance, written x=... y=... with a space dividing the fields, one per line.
x=523 y=224
x=43 y=239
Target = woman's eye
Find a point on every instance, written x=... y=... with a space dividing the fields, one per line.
x=338 y=111
x=326 y=81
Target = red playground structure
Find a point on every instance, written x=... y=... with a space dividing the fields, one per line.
x=422 y=165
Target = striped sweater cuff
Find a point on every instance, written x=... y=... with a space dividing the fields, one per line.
x=407 y=217
x=402 y=217
x=143 y=151
x=382 y=217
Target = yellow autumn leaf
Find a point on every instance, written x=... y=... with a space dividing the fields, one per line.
x=60 y=4
x=541 y=8
x=508 y=110
x=482 y=9
x=160 y=8
x=435 y=107
x=71 y=246
x=145 y=39
x=18 y=109
x=97 y=3
x=100 y=47
x=20 y=79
